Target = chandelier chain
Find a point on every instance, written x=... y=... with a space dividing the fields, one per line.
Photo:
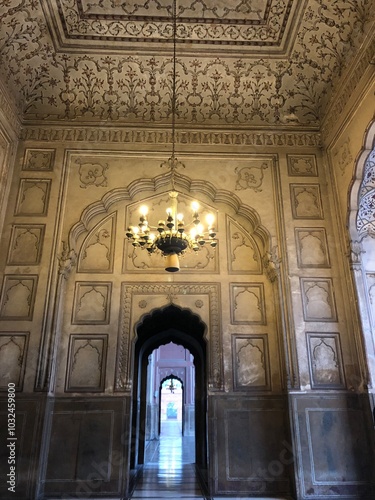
x=173 y=162
x=169 y=237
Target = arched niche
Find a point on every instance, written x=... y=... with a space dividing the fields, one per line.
x=142 y=189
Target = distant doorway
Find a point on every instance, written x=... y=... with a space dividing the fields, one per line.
x=159 y=328
x=172 y=405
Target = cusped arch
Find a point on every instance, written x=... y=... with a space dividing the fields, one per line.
x=161 y=324
x=363 y=256
x=194 y=187
x=167 y=324
x=163 y=319
x=355 y=187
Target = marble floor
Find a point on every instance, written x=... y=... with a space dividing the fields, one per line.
x=169 y=470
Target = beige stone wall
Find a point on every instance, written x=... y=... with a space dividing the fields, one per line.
x=272 y=291
x=346 y=156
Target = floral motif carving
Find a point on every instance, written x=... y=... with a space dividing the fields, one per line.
x=250 y=177
x=92 y=174
x=96 y=254
x=82 y=84
x=302 y=165
x=39 y=159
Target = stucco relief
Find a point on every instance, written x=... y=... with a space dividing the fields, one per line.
x=96 y=254
x=71 y=84
x=33 y=197
x=247 y=303
x=306 y=201
x=86 y=363
x=344 y=156
x=312 y=248
x=26 y=244
x=244 y=255
x=318 y=300
x=91 y=303
x=17 y=298
x=92 y=173
x=159 y=295
x=129 y=135
x=325 y=360
x=302 y=165
x=244 y=22
x=38 y=159
x=250 y=362
x=13 y=350
x=251 y=177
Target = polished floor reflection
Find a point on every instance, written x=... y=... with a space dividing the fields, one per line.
x=169 y=470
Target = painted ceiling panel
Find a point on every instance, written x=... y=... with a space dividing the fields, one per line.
x=239 y=63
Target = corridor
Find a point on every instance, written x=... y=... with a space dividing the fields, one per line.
x=169 y=470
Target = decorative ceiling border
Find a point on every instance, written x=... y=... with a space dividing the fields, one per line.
x=8 y=111
x=189 y=137
x=241 y=24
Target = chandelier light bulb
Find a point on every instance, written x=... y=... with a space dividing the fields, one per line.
x=195 y=206
x=180 y=217
x=210 y=220
x=143 y=210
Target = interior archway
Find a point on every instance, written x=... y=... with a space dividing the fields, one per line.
x=362 y=247
x=181 y=326
x=172 y=379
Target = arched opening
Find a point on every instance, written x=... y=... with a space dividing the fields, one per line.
x=171 y=402
x=162 y=326
x=361 y=225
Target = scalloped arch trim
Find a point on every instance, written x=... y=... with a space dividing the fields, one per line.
x=187 y=185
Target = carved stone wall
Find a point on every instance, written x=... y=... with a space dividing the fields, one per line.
x=270 y=295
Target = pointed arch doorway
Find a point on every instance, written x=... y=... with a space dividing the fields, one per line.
x=160 y=327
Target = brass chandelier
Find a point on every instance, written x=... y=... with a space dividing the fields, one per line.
x=172 y=238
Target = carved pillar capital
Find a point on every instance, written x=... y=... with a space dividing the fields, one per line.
x=271 y=263
x=67 y=260
x=355 y=250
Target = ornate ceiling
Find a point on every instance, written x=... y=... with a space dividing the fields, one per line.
x=239 y=63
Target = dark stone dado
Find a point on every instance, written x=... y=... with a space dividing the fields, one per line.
x=86 y=446
x=250 y=448
x=334 y=446
x=28 y=430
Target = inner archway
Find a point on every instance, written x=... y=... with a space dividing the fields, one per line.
x=160 y=327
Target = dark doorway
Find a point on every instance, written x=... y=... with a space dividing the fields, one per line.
x=182 y=327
